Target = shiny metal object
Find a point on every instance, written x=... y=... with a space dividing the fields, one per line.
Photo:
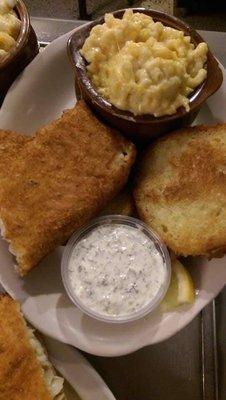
x=209 y=353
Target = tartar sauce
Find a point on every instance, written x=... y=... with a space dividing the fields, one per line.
x=116 y=270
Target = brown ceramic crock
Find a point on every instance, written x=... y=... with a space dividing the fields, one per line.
x=25 y=50
x=142 y=129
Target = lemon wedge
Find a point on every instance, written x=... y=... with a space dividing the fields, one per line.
x=181 y=289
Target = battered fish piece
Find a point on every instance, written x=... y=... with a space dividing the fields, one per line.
x=25 y=372
x=181 y=190
x=64 y=176
x=11 y=144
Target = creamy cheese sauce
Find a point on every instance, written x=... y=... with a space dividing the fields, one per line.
x=116 y=270
x=142 y=66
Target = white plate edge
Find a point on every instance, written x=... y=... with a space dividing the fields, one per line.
x=77 y=371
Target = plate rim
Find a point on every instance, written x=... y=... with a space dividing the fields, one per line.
x=82 y=367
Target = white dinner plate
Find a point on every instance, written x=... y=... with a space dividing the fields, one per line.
x=38 y=96
x=80 y=377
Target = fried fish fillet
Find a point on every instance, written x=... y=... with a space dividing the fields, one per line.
x=64 y=176
x=25 y=372
x=181 y=190
x=11 y=144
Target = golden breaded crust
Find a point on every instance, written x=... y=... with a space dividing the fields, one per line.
x=10 y=141
x=64 y=177
x=21 y=376
x=181 y=190
x=122 y=204
x=10 y=145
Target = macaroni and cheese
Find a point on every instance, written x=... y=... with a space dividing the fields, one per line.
x=142 y=66
x=9 y=27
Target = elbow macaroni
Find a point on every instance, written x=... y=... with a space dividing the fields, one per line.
x=142 y=66
x=9 y=27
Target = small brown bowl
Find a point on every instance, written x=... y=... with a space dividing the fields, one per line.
x=24 y=51
x=146 y=127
